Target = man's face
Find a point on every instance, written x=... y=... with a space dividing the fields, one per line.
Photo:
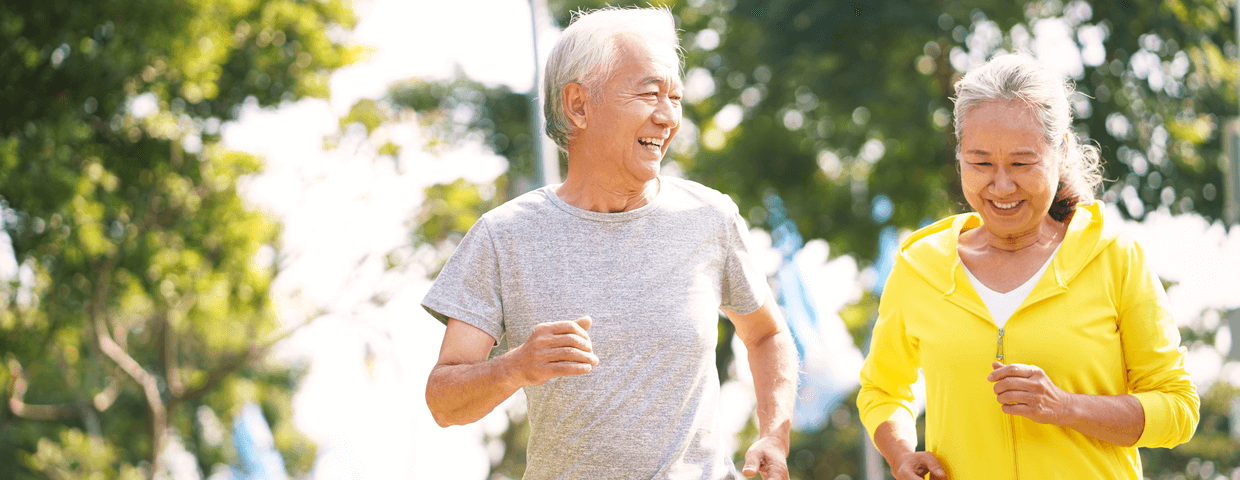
x=638 y=112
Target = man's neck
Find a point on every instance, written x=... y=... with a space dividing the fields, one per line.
x=596 y=194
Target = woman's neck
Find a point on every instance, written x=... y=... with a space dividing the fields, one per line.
x=1048 y=234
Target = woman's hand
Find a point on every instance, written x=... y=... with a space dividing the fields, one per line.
x=915 y=466
x=1027 y=391
x=896 y=439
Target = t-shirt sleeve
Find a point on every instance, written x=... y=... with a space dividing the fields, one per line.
x=468 y=287
x=744 y=286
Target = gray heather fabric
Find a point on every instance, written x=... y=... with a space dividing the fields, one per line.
x=653 y=280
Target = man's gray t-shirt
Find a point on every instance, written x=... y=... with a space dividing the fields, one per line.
x=652 y=280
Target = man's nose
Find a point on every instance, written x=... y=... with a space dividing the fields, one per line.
x=666 y=114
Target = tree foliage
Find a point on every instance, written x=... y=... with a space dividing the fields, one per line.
x=843 y=108
x=460 y=109
x=141 y=309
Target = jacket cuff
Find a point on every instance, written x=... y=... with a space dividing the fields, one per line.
x=1157 y=419
x=879 y=414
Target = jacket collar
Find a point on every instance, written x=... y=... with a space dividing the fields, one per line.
x=931 y=253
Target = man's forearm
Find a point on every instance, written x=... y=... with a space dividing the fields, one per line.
x=773 y=362
x=461 y=394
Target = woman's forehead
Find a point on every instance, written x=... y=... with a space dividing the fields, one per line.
x=994 y=117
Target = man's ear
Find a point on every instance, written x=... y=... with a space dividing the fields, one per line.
x=575 y=100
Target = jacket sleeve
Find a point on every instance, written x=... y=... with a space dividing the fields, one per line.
x=1154 y=357
x=890 y=368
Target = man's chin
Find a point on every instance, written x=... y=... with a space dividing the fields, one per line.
x=646 y=172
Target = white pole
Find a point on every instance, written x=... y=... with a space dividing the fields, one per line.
x=546 y=158
x=1231 y=170
x=873 y=460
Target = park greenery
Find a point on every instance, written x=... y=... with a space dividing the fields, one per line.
x=843 y=109
x=140 y=313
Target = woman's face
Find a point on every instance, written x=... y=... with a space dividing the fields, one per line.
x=1007 y=169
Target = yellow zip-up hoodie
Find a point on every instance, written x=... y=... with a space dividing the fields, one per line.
x=1097 y=322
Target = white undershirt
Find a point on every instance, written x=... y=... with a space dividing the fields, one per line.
x=1003 y=305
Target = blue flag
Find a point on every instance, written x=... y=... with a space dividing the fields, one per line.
x=256 y=448
x=826 y=377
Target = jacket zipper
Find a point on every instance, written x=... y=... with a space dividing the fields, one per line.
x=1015 y=463
x=999 y=349
x=1011 y=423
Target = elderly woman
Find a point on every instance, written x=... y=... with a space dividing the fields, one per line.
x=1045 y=340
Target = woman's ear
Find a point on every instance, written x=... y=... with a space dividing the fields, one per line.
x=575 y=100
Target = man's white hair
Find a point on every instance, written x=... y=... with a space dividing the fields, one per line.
x=585 y=55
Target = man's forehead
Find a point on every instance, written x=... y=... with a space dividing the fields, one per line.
x=647 y=62
x=671 y=80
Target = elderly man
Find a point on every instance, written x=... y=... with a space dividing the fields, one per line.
x=608 y=286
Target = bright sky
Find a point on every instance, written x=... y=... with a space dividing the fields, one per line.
x=362 y=400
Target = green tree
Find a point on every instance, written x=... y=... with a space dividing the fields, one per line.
x=452 y=112
x=456 y=109
x=847 y=103
x=843 y=109
x=843 y=106
x=142 y=309
x=841 y=102
x=1160 y=99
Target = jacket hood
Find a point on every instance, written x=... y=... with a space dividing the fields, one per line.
x=931 y=251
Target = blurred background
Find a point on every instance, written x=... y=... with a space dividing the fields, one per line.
x=219 y=216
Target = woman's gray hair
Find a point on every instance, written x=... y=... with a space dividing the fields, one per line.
x=585 y=54
x=1015 y=77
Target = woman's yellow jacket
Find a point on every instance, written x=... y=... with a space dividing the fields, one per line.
x=1097 y=322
